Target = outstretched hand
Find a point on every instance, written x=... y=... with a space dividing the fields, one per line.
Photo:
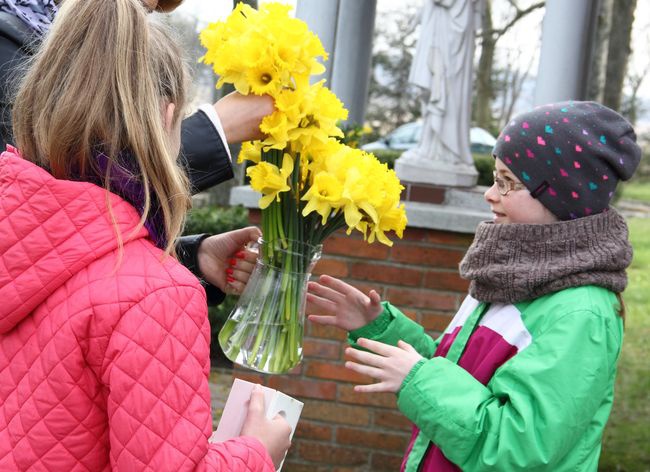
x=389 y=365
x=333 y=302
x=224 y=260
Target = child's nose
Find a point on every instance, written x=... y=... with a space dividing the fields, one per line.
x=492 y=195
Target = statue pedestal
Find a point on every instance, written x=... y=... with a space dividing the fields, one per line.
x=413 y=167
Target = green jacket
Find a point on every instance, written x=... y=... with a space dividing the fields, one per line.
x=510 y=387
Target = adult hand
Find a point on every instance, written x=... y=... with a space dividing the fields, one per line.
x=388 y=364
x=241 y=115
x=333 y=302
x=224 y=260
x=273 y=434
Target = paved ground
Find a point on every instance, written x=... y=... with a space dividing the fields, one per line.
x=220 y=382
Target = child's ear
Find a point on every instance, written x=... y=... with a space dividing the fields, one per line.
x=169 y=117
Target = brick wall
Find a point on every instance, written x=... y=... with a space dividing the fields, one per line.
x=341 y=430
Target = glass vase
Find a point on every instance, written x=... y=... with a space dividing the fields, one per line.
x=265 y=329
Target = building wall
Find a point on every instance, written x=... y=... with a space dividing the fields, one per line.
x=341 y=430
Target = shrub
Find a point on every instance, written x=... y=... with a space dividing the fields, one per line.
x=387 y=156
x=485 y=166
x=215 y=220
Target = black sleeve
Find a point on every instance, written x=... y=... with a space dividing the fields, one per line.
x=203 y=153
x=187 y=249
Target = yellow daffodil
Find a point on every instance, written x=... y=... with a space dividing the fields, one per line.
x=263 y=78
x=277 y=127
x=270 y=181
x=393 y=220
x=250 y=151
x=321 y=110
x=323 y=196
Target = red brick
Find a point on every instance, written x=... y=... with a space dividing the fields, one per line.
x=445 y=281
x=371 y=439
x=290 y=464
x=311 y=430
x=348 y=395
x=391 y=274
x=411 y=314
x=304 y=387
x=391 y=419
x=426 y=194
x=390 y=462
x=421 y=298
x=255 y=216
x=326 y=454
x=249 y=376
x=325 y=332
x=415 y=234
x=355 y=247
x=435 y=321
x=330 y=412
x=333 y=267
x=427 y=255
x=322 y=349
x=451 y=239
x=297 y=370
x=327 y=370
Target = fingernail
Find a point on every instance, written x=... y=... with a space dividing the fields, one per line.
x=230 y=279
x=233 y=262
x=240 y=255
x=229 y=271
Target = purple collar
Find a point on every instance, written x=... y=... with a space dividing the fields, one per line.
x=126 y=182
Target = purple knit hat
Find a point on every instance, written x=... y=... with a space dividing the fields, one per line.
x=570 y=155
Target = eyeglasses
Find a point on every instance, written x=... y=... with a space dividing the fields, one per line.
x=506 y=186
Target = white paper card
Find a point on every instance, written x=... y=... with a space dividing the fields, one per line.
x=236 y=408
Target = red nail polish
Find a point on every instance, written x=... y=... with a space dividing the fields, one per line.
x=240 y=255
x=230 y=279
x=233 y=262
x=229 y=271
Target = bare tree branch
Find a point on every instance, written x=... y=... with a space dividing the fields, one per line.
x=498 y=32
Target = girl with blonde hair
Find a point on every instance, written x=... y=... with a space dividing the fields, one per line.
x=105 y=336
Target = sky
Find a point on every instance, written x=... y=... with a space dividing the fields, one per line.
x=526 y=34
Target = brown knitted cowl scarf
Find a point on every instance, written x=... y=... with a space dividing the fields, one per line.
x=508 y=263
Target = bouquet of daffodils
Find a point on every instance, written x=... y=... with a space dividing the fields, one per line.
x=311 y=184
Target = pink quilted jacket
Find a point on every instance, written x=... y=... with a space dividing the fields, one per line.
x=103 y=365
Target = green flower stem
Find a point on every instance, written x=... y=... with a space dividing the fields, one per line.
x=266 y=334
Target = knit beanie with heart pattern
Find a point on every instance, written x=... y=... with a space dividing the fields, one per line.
x=570 y=155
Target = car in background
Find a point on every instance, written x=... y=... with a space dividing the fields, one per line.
x=407 y=136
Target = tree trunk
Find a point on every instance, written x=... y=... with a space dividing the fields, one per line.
x=484 y=88
x=618 y=51
x=597 y=67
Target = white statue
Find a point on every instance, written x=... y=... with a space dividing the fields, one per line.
x=442 y=70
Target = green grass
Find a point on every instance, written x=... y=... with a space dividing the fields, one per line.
x=635 y=190
x=626 y=442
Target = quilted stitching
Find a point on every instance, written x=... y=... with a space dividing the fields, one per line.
x=103 y=366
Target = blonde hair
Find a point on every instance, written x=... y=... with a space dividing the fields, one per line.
x=102 y=80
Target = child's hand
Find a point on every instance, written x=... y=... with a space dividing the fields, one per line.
x=390 y=365
x=224 y=262
x=333 y=302
x=273 y=434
